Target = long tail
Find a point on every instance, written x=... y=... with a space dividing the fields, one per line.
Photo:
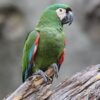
x=28 y=72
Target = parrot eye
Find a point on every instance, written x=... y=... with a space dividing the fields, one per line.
x=61 y=13
x=60 y=10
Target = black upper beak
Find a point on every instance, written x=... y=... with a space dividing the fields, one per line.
x=68 y=19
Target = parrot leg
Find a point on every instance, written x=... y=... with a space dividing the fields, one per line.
x=44 y=76
x=55 y=67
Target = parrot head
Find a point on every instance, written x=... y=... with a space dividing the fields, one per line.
x=57 y=13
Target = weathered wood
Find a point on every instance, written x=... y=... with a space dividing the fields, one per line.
x=84 y=85
x=32 y=85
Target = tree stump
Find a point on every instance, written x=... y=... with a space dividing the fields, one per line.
x=84 y=85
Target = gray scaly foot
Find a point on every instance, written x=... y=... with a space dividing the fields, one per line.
x=44 y=76
x=55 y=67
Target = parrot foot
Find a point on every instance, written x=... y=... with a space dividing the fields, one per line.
x=55 y=67
x=44 y=76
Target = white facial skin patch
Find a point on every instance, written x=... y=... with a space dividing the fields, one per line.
x=61 y=13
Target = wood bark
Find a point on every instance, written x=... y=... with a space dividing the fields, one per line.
x=84 y=85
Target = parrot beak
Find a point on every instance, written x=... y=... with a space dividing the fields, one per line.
x=68 y=19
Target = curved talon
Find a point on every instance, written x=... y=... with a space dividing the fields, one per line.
x=55 y=67
x=44 y=75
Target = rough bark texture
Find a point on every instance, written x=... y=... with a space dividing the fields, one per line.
x=84 y=85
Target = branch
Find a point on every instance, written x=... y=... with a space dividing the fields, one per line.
x=32 y=85
x=84 y=85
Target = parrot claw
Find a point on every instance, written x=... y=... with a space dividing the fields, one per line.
x=55 y=67
x=44 y=76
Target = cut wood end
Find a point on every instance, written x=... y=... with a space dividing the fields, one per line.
x=98 y=76
x=17 y=98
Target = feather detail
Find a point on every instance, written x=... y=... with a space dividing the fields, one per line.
x=31 y=56
x=36 y=47
x=61 y=59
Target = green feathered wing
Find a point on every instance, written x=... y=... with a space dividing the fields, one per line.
x=27 y=55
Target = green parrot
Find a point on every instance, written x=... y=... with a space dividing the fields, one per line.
x=44 y=46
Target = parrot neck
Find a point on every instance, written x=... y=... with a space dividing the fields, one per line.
x=50 y=21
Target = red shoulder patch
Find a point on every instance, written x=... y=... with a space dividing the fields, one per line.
x=61 y=59
x=36 y=47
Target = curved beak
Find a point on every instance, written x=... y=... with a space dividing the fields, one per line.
x=68 y=19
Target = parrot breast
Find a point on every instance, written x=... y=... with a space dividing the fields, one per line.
x=50 y=47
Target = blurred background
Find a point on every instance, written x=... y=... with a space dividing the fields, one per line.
x=17 y=17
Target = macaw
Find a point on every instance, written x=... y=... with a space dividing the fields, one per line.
x=44 y=46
